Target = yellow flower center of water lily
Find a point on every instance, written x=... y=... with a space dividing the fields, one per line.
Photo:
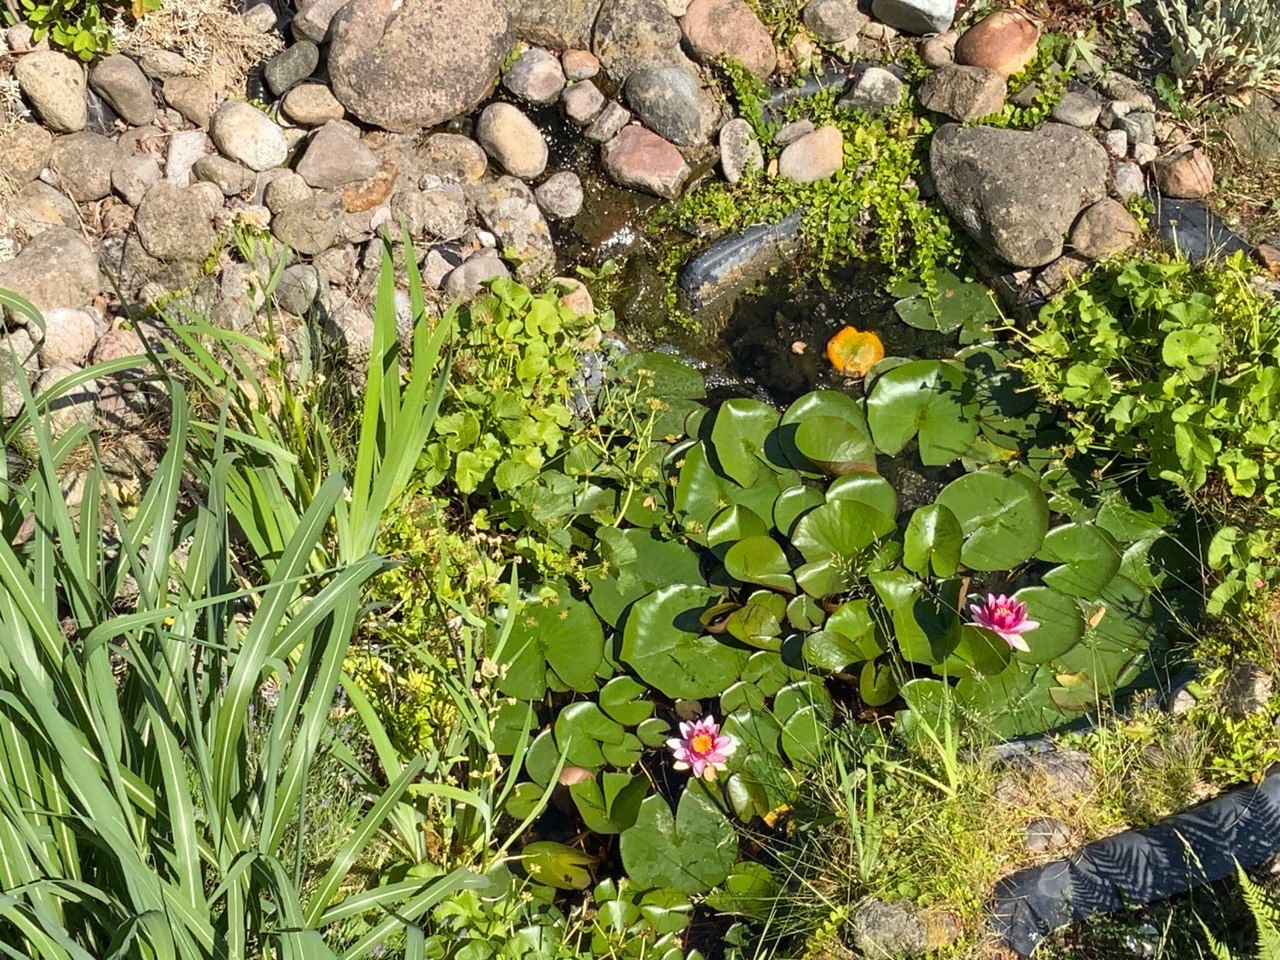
x=702 y=743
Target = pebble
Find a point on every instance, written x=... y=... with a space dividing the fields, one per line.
x=715 y=29
x=468 y=279
x=1077 y=110
x=286 y=190
x=1104 y=230
x=69 y=337
x=120 y=82
x=55 y=86
x=813 y=157
x=175 y=223
x=579 y=64
x=666 y=100
x=1185 y=173
x=560 y=196
x=938 y=51
x=452 y=158
x=335 y=157
x=536 y=76
x=185 y=148
x=833 y=21
x=964 y=93
x=789 y=133
x=261 y=17
x=291 y=66
x=875 y=91
x=1005 y=41
x=613 y=118
x=1130 y=181
x=132 y=177
x=227 y=175
x=244 y=133
x=1047 y=835
x=641 y=159
x=1116 y=143
x=311 y=105
x=83 y=162
x=582 y=102
x=24 y=151
x=191 y=97
x=920 y=17
x=740 y=150
x=512 y=140
x=1140 y=126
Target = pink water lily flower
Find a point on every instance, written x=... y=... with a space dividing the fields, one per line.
x=702 y=748
x=1005 y=617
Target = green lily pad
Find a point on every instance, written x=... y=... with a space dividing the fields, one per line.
x=1089 y=555
x=624 y=699
x=841 y=529
x=664 y=644
x=823 y=404
x=609 y=803
x=760 y=559
x=869 y=488
x=836 y=445
x=1004 y=518
x=878 y=683
x=563 y=636
x=758 y=622
x=805 y=735
x=583 y=731
x=691 y=852
x=657 y=563
x=556 y=865
x=933 y=540
x=1061 y=624
x=792 y=504
x=927 y=399
x=738 y=436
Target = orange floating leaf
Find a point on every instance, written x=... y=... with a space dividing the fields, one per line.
x=854 y=352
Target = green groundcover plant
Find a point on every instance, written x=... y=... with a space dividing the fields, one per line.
x=1176 y=369
x=81 y=26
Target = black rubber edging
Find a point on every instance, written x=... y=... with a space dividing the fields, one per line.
x=1200 y=845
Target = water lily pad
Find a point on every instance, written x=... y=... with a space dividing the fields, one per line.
x=691 y=852
x=878 y=683
x=733 y=524
x=821 y=404
x=865 y=487
x=849 y=637
x=1061 y=624
x=657 y=563
x=1089 y=555
x=831 y=537
x=792 y=504
x=836 y=445
x=556 y=865
x=957 y=304
x=1004 y=518
x=624 y=699
x=664 y=644
x=977 y=652
x=609 y=803
x=583 y=731
x=738 y=436
x=932 y=541
x=927 y=399
x=760 y=559
x=758 y=622
x=805 y=735
x=563 y=636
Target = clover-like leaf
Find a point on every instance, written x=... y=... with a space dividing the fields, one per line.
x=692 y=851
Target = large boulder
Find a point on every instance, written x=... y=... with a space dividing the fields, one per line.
x=404 y=64
x=636 y=33
x=1018 y=192
x=559 y=24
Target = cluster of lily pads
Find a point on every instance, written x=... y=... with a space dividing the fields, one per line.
x=778 y=582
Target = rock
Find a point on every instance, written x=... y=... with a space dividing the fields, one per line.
x=311 y=105
x=439 y=214
x=69 y=336
x=191 y=97
x=558 y=24
x=560 y=196
x=582 y=102
x=739 y=150
x=120 y=82
x=887 y=931
x=350 y=329
x=939 y=50
x=162 y=64
x=312 y=226
x=185 y=148
x=261 y=17
x=536 y=76
x=814 y=157
x=24 y=152
x=468 y=279
x=312 y=23
x=54 y=85
x=1130 y=181
x=1128 y=91
x=1145 y=154
x=1140 y=126
x=509 y=209
x=83 y=163
x=916 y=16
x=1191 y=230
x=579 y=64
x=1255 y=128
x=641 y=159
x=1005 y=42
x=1051 y=774
x=175 y=223
x=635 y=33
x=1185 y=173
x=335 y=157
x=833 y=21
x=55 y=269
x=666 y=101
x=789 y=133
x=452 y=158
x=964 y=93
x=291 y=66
x=729 y=28
x=286 y=190
x=1047 y=835
x=574 y=296
x=1077 y=110
x=132 y=177
x=1105 y=229
x=228 y=176
x=37 y=207
x=613 y=118
x=512 y=139
x=71 y=409
x=1018 y=192
x=244 y=133
x=298 y=289
x=1247 y=689
x=416 y=63
x=876 y=90
x=1116 y=143
x=1056 y=276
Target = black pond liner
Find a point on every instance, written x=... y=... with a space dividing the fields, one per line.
x=1200 y=845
